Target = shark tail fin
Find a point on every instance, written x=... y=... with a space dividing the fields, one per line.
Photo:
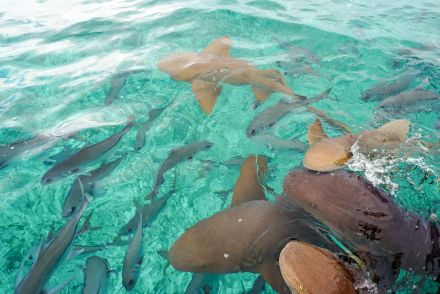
x=206 y=94
x=87 y=226
x=262 y=94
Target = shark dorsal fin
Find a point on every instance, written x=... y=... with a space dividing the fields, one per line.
x=220 y=47
x=316 y=132
x=248 y=186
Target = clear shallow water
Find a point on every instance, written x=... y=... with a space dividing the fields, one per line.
x=56 y=63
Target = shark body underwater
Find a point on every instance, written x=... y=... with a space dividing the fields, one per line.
x=211 y=67
x=381 y=233
x=249 y=235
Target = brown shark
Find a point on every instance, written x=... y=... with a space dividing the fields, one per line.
x=248 y=186
x=387 y=138
x=329 y=154
x=247 y=237
x=211 y=67
x=385 y=236
x=308 y=269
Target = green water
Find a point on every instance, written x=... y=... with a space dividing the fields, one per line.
x=56 y=63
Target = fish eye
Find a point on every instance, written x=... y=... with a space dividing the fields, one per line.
x=253 y=131
x=130 y=282
x=49 y=180
x=73 y=209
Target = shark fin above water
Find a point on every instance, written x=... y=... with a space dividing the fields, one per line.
x=316 y=132
x=248 y=186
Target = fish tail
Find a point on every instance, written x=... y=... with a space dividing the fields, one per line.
x=131 y=121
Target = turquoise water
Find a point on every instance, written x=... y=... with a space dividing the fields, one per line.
x=56 y=63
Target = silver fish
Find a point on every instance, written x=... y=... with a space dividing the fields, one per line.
x=390 y=87
x=133 y=258
x=85 y=184
x=49 y=256
x=118 y=81
x=294 y=69
x=84 y=156
x=408 y=98
x=140 y=135
x=273 y=142
x=268 y=117
x=149 y=213
x=299 y=54
x=177 y=156
x=96 y=276
x=11 y=151
x=80 y=249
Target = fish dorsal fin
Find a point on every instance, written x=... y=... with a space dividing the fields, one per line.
x=316 y=132
x=220 y=47
x=248 y=186
x=272 y=274
x=206 y=94
x=398 y=127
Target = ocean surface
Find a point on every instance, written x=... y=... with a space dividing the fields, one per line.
x=57 y=60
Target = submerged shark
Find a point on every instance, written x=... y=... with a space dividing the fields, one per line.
x=329 y=154
x=246 y=237
x=211 y=67
x=386 y=237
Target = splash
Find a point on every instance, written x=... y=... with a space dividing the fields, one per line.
x=375 y=170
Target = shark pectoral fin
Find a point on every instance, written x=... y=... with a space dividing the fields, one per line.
x=260 y=94
x=220 y=46
x=316 y=132
x=272 y=274
x=206 y=94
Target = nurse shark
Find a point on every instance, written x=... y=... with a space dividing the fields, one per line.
x=211 y=67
